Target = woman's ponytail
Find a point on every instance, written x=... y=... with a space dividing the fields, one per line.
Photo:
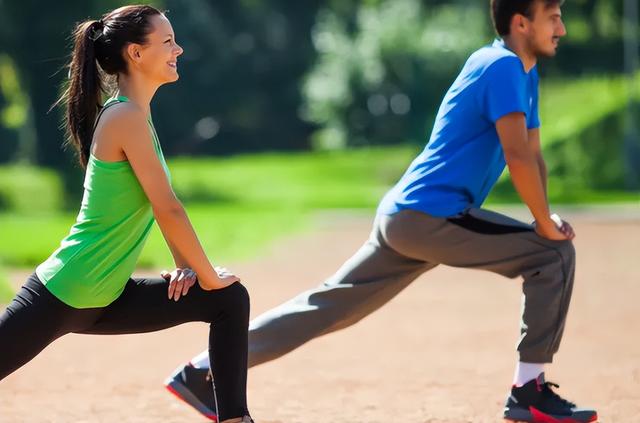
x=83 y=94
x=97 y=58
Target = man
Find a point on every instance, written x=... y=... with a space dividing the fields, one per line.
x=488 y=118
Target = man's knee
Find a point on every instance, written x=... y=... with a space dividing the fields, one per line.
x=567 y=251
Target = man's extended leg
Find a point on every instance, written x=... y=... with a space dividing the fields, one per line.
x=368 y=280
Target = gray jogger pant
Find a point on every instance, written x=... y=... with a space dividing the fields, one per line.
x=403 y=246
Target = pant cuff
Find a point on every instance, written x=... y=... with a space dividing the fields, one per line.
x=529 y=357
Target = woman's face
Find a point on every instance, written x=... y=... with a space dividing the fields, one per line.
x=158 y=58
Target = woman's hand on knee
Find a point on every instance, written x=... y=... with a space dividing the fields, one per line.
x=224 y=279
x=180 y=281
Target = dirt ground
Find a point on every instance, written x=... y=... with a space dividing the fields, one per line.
x=442 y=351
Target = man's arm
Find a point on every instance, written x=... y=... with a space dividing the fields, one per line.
x=534 y=142
x=526 y=173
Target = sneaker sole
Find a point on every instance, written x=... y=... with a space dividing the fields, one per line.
x=182 y=393
x=536 y=416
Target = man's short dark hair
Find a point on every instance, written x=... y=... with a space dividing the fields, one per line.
x=503 y=10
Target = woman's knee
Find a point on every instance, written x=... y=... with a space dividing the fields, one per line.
x=237 y=299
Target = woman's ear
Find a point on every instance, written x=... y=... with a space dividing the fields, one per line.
x=133 y=52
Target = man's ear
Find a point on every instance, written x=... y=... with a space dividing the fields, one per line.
x=519 y=23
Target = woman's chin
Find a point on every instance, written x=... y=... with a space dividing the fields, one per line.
x=173 y=77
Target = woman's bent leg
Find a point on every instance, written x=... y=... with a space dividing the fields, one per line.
x=145 y=307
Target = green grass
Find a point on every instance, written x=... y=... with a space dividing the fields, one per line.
x=570 y=106
x=24 y=188
x=237 y=205
x=340 y=179
x=6 y=292
x=227 y=233
x=240 y=204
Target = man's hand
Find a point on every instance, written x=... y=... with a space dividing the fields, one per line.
x=555 y=229
x=563 y=226
x=180 y=280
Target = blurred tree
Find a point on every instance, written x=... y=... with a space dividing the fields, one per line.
x=16 y=135
x=264 y=75
x=240 y=76
x=384 y=65
x=8 y=138
x=380 y=80
x=36 y=35
x=594 y=39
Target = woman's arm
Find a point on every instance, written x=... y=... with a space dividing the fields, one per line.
x=128 y=125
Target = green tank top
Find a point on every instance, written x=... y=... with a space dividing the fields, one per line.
x=94 y=262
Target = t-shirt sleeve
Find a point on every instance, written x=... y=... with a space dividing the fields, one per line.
x=505 y=88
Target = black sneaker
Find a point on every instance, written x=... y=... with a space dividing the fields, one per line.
x=536 y=402
x=195 y=387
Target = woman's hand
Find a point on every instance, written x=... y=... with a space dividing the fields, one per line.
x=224 y=279
x=180 y=280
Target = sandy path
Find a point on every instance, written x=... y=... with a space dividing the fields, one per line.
x=442 y=351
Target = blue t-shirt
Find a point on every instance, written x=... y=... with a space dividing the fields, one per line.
x=464 y=157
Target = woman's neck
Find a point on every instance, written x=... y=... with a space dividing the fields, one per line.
x=136 y=90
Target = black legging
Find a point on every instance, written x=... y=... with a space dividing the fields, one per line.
x=35 y=318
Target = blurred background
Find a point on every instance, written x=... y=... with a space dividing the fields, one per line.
x=286 y=108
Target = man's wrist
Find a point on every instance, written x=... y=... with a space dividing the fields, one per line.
x=545 y=223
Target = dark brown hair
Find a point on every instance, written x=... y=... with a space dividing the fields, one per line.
x=503 y=10
x=98 y=53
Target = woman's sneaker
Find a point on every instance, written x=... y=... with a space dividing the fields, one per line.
x=195 y=387
x=536 y=402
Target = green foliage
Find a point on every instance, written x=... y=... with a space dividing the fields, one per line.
x=239 y=77
x=13 y=115
x=583 y=132
x=28 y=189
x=381 y=82
x=569 y=106
x=359 y=71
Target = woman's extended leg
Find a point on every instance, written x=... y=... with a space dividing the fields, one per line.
x=34 y=319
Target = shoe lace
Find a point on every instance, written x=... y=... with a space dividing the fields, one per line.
x=546 y=389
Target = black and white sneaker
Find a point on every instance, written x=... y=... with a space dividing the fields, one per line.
x=536 y=402
x=195 y=387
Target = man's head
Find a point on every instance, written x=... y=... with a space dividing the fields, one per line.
x=538 y=23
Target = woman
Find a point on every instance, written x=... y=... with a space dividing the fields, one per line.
x=85 y=286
